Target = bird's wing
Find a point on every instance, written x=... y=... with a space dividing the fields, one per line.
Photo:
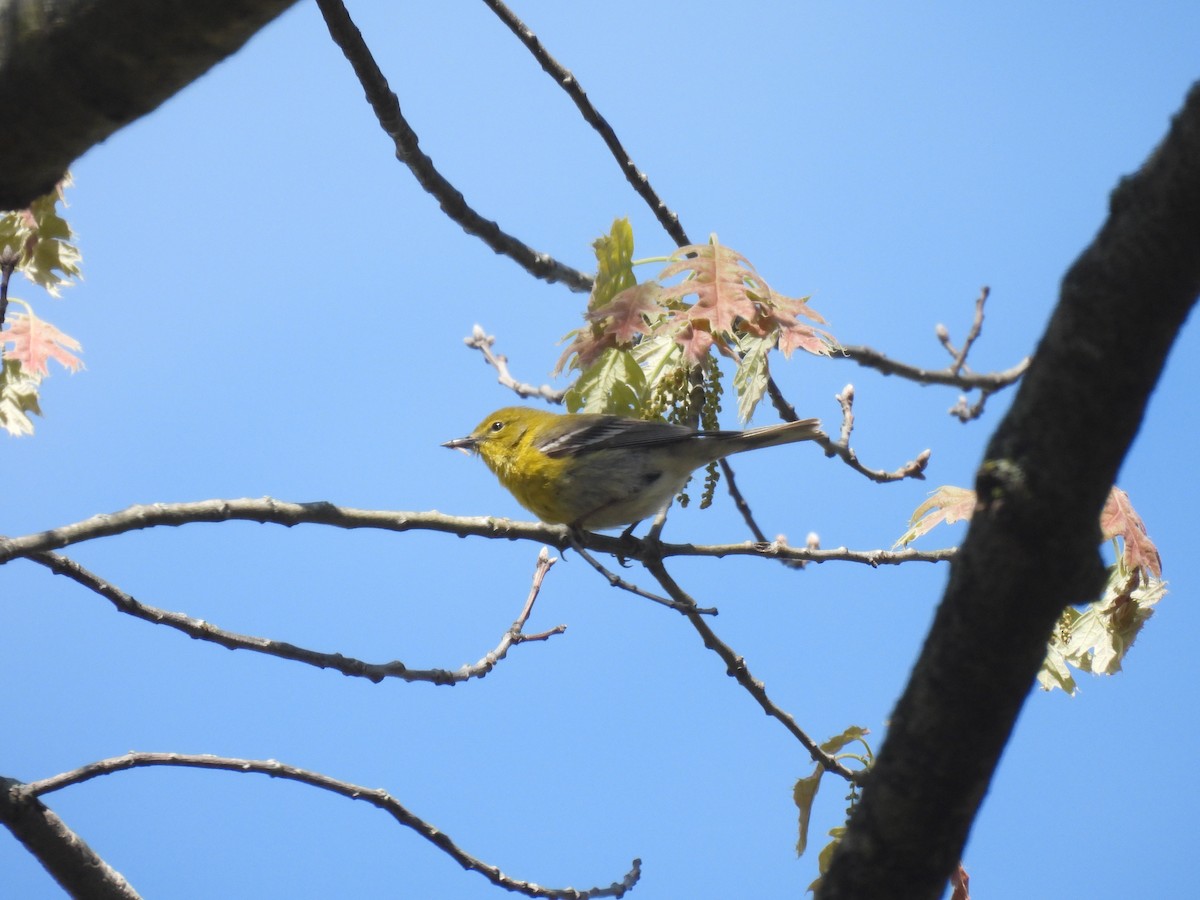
x=585 y=433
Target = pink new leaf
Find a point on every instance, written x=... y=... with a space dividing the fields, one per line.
x=785 y=312
x=719 y=280
x=695 y=343
x=587 y=345
x=947 y=504
x=632 y=312
x=1120 y=519
x=960 y=881
x=614 y=324
x=35 y=341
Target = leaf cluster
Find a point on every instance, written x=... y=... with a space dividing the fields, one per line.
x=1097 y=637
x=645 y=346
x=804 y=792
x=38 y=243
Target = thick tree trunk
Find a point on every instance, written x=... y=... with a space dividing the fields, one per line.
x=1032 y=544
x=72 y=72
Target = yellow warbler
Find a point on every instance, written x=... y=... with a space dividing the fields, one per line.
x=594 y=471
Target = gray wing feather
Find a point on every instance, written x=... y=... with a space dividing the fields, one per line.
x=609 y=432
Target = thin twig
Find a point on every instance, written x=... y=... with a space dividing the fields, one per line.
x=737 y=669
x=279 y=512
x=739 y=501
x=347 y=665
x=378 y=798
x=965 y=411
x=515 y=633
x=617 y=581
x=846 y=401
x=873 y=359
x=482 y=341
x=786 y=411
x=8 y=264
x=960 y=356
x=957 y=374
x=636 y=178
x=914 y=468
x=387 y=110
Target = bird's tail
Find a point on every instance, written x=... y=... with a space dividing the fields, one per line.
x=786 y=433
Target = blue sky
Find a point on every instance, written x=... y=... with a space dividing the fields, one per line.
x=272 y=306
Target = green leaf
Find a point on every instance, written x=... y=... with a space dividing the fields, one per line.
x=836 y=743
x=804 y=793
x=659 y=358
x=1055 y=673
x=18 y=398
x=43 y=239
x=1098 y=638
x=614 y=263
x=826 y=855
x=750 y=379
x=613 y=384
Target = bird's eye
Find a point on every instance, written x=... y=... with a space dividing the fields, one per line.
x=497 y=425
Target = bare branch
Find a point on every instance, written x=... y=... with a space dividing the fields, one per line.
x=378 y=798
x=957 y=374
x=278 y=512
x=636 y=178
x=873 y=359
x=739 y=501
x=780 y=550
x=482 y=341
x=954 y=375
x=387 y=109
x=960 y=356
x=965 y=411
x=77 y=868
x=515 y=634
x=736 y=668
x=617 y=581
x=347 y=665
x=914 y=468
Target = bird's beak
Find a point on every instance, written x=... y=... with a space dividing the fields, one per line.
x=467 y=444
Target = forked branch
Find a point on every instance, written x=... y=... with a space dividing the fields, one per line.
x=347 y=665
x=378 y=798
x=387 y=110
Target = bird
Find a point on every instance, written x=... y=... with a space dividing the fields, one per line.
x=593 y=471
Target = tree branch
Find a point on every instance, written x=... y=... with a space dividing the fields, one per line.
x=954 y=375
x=959 y=357
x=73 y=72
x=482 y=341
x=617 y=581
x=380 y=799
x=992 y=381
x=387 y=109
x=79 y=871
x=552 y=67
x=914 y=468
x=1032 y=543
x=736 y=668
x=278 y=512
x=347 y=665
